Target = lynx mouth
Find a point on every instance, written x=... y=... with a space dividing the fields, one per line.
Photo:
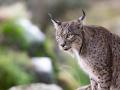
x=66 y=48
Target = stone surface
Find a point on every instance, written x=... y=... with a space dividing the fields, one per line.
x=38 y=86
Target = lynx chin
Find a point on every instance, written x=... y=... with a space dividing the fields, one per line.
x=97 y=51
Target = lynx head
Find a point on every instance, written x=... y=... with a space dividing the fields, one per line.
x=68 y=34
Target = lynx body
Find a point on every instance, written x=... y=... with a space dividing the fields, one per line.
x=97 y=51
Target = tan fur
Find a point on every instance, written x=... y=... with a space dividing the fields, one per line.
x=97 y=51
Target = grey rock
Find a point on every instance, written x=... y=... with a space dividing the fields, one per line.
x=38 y=86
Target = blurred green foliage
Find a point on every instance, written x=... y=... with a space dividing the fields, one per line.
x=12 y=56
x=14 y=34
x=73 y=76
x=79 y=74
x=13 y=62
x=12 y=69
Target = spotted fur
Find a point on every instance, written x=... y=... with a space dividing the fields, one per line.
x=97 y=51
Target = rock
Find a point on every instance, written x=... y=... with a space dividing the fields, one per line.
x=42 y=64
x=43 y=69
x=31 y=32
x=38 y=86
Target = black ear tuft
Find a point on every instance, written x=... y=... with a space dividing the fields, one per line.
x=83 y=16
x=53 y=20
x=50 y=15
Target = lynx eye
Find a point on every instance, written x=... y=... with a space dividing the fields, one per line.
x=69 y=37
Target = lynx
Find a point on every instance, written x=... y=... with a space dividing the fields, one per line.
x=97 y=51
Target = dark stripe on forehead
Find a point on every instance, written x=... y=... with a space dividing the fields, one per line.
x=71 y=26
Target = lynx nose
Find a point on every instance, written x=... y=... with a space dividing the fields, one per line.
x=62 y=44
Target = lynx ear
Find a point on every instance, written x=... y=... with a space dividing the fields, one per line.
x=83 y=16
x=55 y=22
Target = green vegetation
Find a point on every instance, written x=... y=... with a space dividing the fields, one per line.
x=12 y=69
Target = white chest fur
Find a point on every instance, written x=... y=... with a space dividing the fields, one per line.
x=83 y=64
